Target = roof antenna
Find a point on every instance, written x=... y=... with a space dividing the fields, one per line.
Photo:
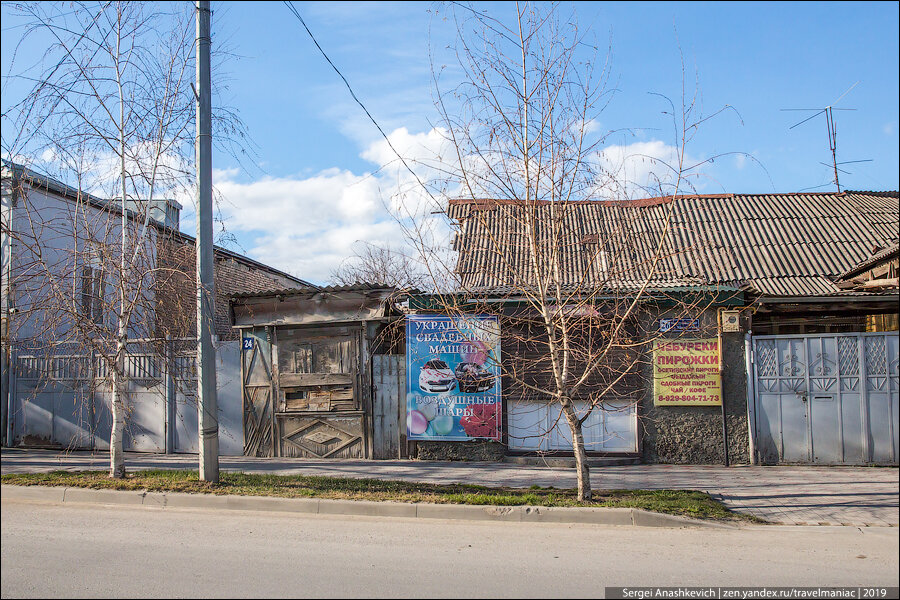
x=832 y=134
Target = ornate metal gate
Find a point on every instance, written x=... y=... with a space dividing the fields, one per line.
x=827 y=399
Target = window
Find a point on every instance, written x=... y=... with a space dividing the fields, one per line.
x=93 y=288
x=886 y=322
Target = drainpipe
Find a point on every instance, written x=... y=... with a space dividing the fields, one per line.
x=9 y=380
x=11 y=397
x=721 y=382
x=5 y=404
x=169 y=382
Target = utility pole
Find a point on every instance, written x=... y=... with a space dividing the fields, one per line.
x=206 y=293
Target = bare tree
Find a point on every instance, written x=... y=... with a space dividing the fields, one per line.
x=372 y=263
x=527 y=176
x=110 y=114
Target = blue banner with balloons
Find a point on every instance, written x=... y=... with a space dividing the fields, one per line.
x=452 y=377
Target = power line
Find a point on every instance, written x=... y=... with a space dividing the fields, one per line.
x=296 y=13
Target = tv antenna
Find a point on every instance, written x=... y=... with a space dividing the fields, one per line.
x=832 y=134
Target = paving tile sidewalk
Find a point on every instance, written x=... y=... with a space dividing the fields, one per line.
x=857 y=496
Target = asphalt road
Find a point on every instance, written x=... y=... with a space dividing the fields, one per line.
x=54 y=550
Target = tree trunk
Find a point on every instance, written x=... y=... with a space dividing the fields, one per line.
x=581 y=466
x=116 y=438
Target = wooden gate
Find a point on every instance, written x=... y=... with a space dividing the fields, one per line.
x=320 y=406
x=256 y=371
x=389 y=408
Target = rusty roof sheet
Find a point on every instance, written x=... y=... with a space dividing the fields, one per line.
x=777 y=244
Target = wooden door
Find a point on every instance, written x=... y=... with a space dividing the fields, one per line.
x=256 y=370
x=389 y=375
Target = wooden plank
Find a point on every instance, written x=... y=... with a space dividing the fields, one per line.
x=302 y=448
x=391 y=430
x=325 y=419
x=343 y=406
x=255 y=421
x=346 y=444
x=273 y=362
x=331 y=394
x=386 y=406
x=314 y=379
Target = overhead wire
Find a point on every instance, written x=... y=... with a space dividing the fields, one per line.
x=296 y=13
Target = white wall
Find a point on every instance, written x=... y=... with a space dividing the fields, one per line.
x=53 y=238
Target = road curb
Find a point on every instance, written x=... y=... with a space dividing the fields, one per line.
x=526 y=514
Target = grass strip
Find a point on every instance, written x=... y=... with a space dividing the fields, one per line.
x=675 y=502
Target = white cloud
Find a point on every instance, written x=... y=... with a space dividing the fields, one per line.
x=224 y=174
x=646 y=169
x=307 y=225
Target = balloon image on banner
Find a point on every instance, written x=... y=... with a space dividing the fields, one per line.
x=452 y=378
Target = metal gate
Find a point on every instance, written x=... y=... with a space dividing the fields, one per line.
x=826 y=399
x=62 y=400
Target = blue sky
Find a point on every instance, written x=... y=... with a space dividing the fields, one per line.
x=323 y=175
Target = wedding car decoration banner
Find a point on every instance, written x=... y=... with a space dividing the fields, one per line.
x=452 y=377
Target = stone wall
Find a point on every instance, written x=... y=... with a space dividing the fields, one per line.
x=468 y=451
x=693 y=434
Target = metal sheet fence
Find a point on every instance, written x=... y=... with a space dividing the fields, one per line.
x=61 y=398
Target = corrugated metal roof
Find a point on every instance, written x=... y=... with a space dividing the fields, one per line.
x=356 y=287
x=777 y=244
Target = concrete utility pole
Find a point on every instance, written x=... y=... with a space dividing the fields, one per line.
x=206 y=292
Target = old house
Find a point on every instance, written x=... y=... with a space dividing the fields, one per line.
x=789 y=301
x=321 y=372
x=60 y=248
x=793 y=297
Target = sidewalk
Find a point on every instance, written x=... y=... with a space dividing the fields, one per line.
x=860 y=496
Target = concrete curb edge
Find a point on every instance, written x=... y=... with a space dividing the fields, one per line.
x=534 y=514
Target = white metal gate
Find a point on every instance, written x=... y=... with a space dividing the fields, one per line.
x=826 y=399
x=63 y=400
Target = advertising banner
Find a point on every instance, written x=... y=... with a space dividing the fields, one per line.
x=452 y=378
x=686 y=373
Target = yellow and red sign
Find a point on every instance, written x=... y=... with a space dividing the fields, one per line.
x=686 y=373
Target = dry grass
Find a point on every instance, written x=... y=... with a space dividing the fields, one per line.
x=678 y=502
